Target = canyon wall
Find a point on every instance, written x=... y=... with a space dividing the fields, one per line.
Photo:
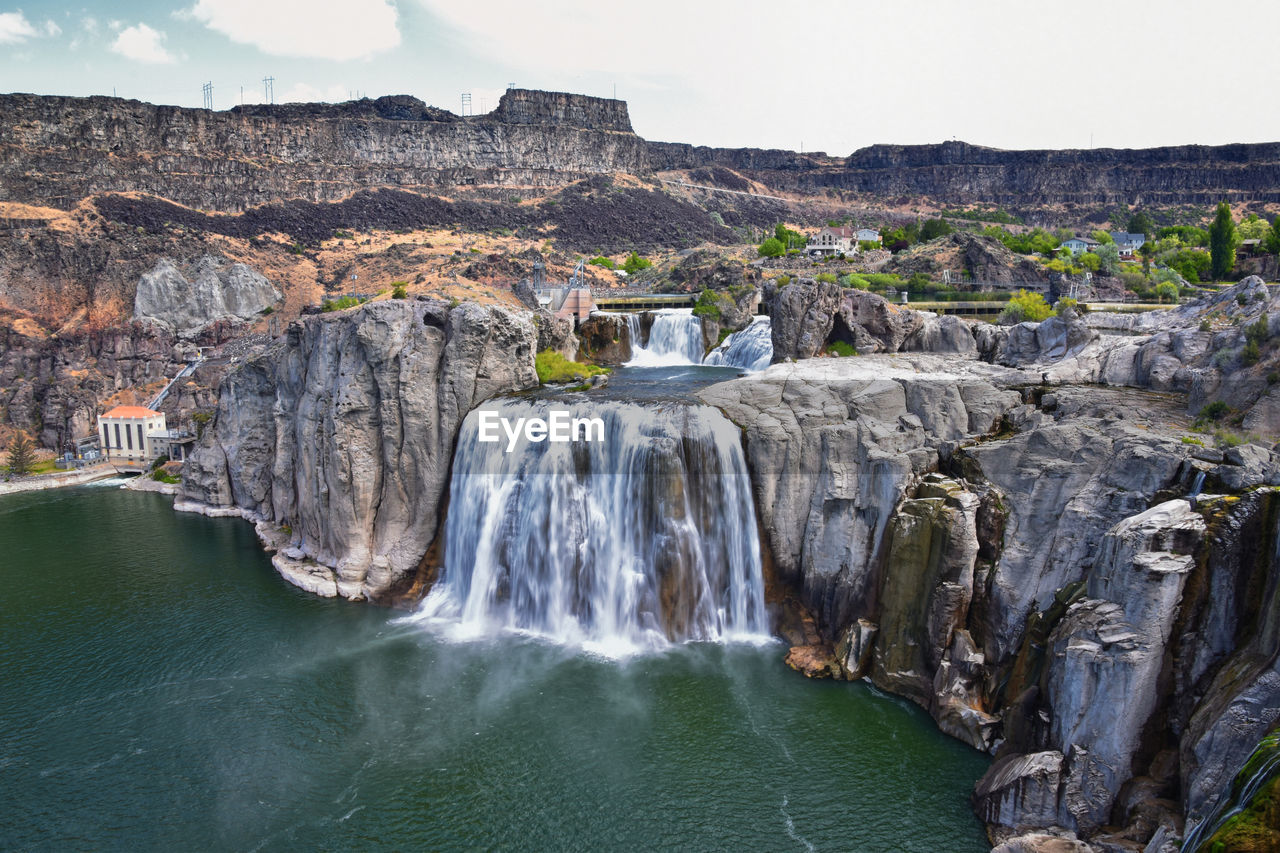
x=339 y=438
x=57 y=150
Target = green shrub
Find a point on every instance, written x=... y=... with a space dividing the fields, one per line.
x=399 y=291
x=1187 y=439
x=1206 y=326
x=827 y=278
x=1167 y=291
x=783 y=280
x=341 y=304
x=1026 y=307
x=841 y=349
x=771 y=248
x=1250 y=354
x=554 y=367
x=1258 y=332
x=1215 y=411
x=708 y=304
x=602 y=261
x=268 y=311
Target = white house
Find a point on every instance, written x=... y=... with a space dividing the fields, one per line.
x=1080 y=244
x=867 y=235
x=127 y=434
x=832 y=241
x=1128 y=243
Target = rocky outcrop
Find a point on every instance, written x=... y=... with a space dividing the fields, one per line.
x=606 y=338
x=342 y=435
x=809 y=315
x=215 y=291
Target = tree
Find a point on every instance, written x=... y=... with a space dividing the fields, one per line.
x=1252 y=228
x=1271 y=242
x=1090 y=261
x=772 y=248
x=1102 y=237
x=934 y=228
x=1141 y=223
x=1222 y=242
x=1147 y=251
x=21 y=455
x=1108 y=258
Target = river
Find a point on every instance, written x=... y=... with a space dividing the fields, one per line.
x=164 y=688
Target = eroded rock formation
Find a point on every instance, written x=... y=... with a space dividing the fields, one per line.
x=341 y=435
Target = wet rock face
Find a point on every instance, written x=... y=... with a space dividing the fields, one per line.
x=606 y=339
x=212 y=290
x=345 y=430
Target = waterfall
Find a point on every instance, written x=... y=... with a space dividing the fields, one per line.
x=1261 y=767
x=643 y=539
x=750 y=348
x=675 y=339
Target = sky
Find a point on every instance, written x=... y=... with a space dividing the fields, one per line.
x=809 y=75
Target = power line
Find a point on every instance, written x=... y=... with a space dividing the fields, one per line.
x=207 y=88
x=268 y=89
x=466 y=103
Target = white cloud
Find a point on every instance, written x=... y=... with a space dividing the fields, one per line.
x=355 y=29
x=142 y=44
x=306 y=93
x=15 y=28
x=51 y=29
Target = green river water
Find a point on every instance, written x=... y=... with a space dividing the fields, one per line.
x=164 y=689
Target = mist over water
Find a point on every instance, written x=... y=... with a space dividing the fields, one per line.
x=165 y=689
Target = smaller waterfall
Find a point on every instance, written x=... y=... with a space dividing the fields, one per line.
x=675 y=339
x=1196 y=486
x=751 y=348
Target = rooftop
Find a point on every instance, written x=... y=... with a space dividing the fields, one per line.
x=131 y=412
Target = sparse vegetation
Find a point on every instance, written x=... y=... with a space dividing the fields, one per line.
x=342 y=303
x=399 y=290
x=555 y=368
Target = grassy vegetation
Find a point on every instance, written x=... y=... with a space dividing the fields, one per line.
x=554 y=367
x=341 y=304
x=841 y=349
x=711 y=303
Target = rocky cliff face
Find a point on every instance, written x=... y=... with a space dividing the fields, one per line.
x=339 y=439
x=214 y=291
x=61 y=150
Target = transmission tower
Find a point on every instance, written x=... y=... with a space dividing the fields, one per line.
x=268 y=89
x=466 y=103
x=207 y=89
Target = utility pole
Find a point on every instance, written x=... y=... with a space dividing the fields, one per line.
x=466 y=103
x=207 y=89
x=268 y=89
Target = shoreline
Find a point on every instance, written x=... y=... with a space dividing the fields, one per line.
x=42 y=482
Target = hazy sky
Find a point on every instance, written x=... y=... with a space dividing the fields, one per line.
x=813 y=74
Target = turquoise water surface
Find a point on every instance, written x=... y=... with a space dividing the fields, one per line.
x=165 y=689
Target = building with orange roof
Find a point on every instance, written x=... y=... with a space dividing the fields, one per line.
x=128 y=435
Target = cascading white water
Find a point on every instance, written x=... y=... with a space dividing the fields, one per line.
x=675 y=338
x=645 y=538
x=751 y=348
